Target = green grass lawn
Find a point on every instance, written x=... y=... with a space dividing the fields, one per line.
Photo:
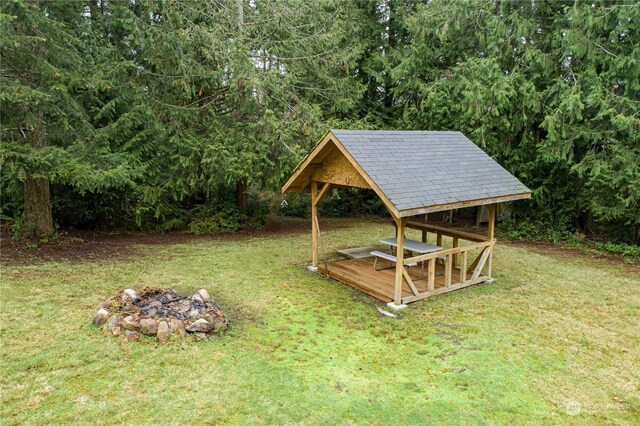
x=556 y=340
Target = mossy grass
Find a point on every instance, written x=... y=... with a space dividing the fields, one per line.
x=553 y=341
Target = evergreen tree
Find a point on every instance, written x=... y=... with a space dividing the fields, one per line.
x=551 y=89
x=47 y=134
x=141 y=109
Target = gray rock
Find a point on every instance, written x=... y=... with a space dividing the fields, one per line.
x=200 y=336
x=114 y=324
x=164 y=332
x=219 y=325
x=201 y=326
x=204 y=295
x=115 y=321
x=131 y=335
x=207 y=316
x=177 y=327
x=130 y=323
x=101 y=317
x=132 y=294
x=185 y=305
x=194 y=312
x=148 y=326
x=197 y=297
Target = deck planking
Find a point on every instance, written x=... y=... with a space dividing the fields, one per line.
x=360 y=274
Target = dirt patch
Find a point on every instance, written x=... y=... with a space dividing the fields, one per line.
x=563 y=251
x=88 y=246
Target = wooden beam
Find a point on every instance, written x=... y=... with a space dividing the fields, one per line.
x=490 y=263
x=463 y=235
x=491 y=232
x=322 y=193
x=463 y=204
x=463 y=268
x=397 y=294
x=314 y=224
x=447 y=252
x=448 y=271
x=475 y=262
x=483 y=259
x=412 y=286
x=454 y=259
x=492 y=222
x=458 y=286
x=431 y=281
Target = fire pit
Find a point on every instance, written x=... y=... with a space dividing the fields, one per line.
x=160 y=313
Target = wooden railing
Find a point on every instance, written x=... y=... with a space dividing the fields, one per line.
x=451 y=256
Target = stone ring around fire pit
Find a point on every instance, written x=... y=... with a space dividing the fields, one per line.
x=160 y=313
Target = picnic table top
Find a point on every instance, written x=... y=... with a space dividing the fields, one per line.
x=416 y=246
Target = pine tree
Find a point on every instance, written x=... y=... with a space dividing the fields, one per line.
x=47 y=134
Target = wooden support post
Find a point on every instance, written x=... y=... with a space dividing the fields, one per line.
x=455 y=256
x=492 y=221
x=397 y=294
x=322 y=193
x=432 y=274
x=448 y=271
x=439 y=238
x=463 y=268
x=314 y=223
x=491 y=231
x=490 y=262
x=424 y=239
x=483 y=258
x=410 y=282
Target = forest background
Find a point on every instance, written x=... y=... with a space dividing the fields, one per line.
x=162 y=114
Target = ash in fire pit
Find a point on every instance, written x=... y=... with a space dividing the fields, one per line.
x=160 y=313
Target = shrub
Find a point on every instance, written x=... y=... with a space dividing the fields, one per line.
x=526 y=230
x=257 y=214
x=348 y=202
x=296 y=204
x=211 y=218
x=628 y=251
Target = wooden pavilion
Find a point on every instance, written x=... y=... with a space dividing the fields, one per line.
x=414 y=173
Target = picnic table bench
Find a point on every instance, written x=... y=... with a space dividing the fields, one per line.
x=411 y=245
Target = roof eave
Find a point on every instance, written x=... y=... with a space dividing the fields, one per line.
x=462 y=204
x=305 y=162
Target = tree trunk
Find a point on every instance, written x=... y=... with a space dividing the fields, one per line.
x=392 y=42
x=38 y=219
x=241 y=194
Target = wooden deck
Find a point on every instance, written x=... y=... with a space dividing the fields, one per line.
x=360 y=274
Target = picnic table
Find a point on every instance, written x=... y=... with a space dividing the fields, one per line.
x=411 y=245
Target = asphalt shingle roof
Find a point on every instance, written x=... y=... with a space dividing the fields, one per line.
x=417 y=169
